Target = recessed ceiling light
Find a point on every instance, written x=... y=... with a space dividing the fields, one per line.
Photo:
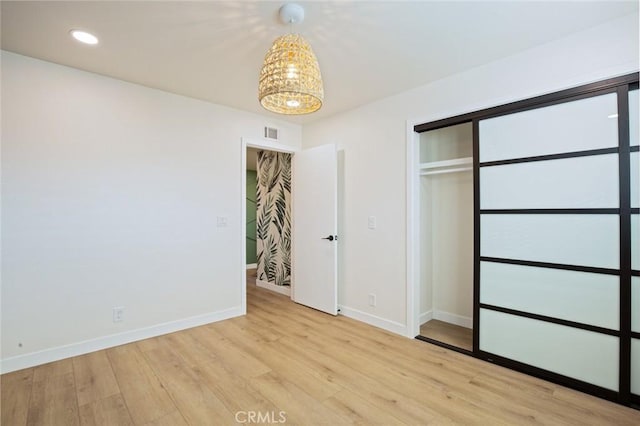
x=84 y=37
x=612 y=116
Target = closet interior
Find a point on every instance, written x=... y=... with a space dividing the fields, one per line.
x=446 y=246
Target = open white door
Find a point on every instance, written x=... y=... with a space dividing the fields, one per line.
x=315 y=224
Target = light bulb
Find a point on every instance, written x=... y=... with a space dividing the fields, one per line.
x=292 y=71
x=84 y=37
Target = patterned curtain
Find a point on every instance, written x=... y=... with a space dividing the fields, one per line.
x=273 y=218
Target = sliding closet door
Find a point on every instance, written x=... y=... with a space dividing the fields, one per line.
x=550 y=244
x=634 y=138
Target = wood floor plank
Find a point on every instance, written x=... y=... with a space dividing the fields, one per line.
x=16 y=394
x=446 y=381
x=231 y=388
x=535 y=406
x=431 y=357
x=452 y=334
x=192 y=395
x=54 y=401
x=148 y=344
x=241 y=362
x=433 y=394
x=382 y=395
x=596 y=411
x=107 y=411
x=94 y=377
x=142 y=391
x=287 y=367
x=359 y=411
x=192 y=349
x=298 y=407
x=171 y=419
x=265 y=331
x=446 y=389
x=234 y=391
x=58 y=368
x=421 y=363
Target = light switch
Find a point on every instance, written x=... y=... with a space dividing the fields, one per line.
x=371 y=222
x=222 y=222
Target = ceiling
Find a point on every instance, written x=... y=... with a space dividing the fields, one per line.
x=213 y=50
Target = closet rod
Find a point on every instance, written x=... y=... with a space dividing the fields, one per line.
x=439 y=172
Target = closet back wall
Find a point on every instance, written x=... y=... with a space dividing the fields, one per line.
x=446 y=225
x=447 y=248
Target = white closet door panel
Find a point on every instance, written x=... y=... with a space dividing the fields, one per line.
x=635 y=305
x=635 y=242
x=635 y=366
x=572 y=126
x=570 y=295
x=634 y=133
x=573 y=239
x=581 y=182
x=635 y=179
x=581 y=354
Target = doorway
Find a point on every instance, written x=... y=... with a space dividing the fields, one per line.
x=313 y=242
x=446 y=208
x=269 y=214
x=249 y=150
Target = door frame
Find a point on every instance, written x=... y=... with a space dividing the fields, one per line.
x=413 y=231
x=268 y=145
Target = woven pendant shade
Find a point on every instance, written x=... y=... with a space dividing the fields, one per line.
x=290 y=80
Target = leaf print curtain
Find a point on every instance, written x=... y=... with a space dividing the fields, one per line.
x=273 y=218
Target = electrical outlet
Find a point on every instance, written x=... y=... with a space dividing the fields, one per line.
x=372 y=299
x=118 y=314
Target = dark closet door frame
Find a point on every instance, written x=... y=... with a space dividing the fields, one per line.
x=621 y=86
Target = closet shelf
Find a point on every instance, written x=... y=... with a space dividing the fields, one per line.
x=446 y=166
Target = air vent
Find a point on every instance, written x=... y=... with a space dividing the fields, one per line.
x=271 y=133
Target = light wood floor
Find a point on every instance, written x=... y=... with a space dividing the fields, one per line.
x=281 y=356
x=448 y=333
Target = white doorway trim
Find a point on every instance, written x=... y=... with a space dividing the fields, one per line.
x=413 y=231
x=244 y=144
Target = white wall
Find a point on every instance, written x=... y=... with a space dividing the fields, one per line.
x=446 y=247
x=446 y=228
x=373 y=140
x=110 y=197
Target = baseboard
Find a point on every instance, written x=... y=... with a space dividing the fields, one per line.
x=61 y=352
x=282 y=289
x=385 y=324
x=455 y=319
x=252 y=266
x=426 y=317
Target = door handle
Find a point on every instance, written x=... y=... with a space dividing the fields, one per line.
x=330 y=238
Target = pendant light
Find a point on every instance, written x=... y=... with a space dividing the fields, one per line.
x=290 y=80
